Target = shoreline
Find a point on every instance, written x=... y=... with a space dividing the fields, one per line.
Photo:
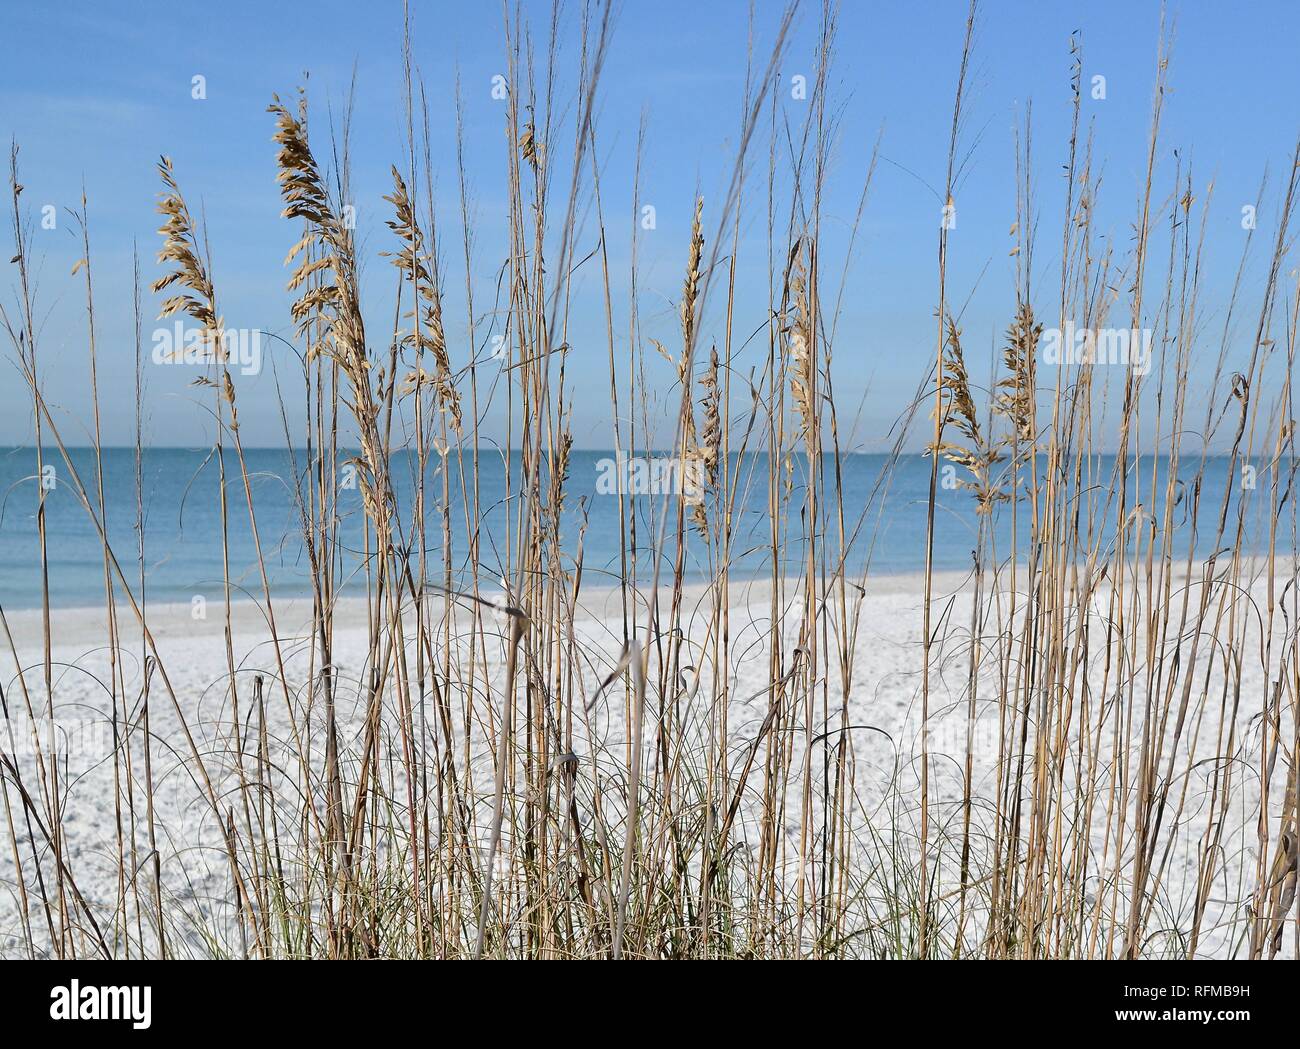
x=83 y=624
x=172 y=619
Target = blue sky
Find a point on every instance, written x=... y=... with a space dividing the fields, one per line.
x=95 y=92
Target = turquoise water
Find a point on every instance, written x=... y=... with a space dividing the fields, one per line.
x=182 y=523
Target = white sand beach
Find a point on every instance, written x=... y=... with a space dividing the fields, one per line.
x=883 y=718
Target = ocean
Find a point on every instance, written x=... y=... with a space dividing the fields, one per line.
x=183 y=557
